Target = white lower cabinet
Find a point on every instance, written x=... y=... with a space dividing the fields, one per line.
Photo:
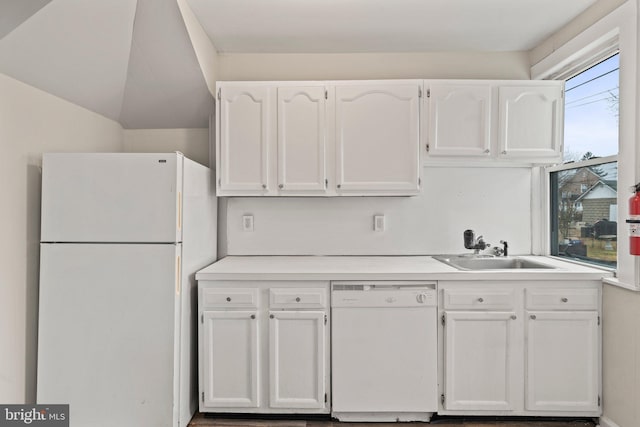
x=562 y=361
x=479 y=360
x=297 y=349
x=230 y=348
x=522 y=348
x=264 y=347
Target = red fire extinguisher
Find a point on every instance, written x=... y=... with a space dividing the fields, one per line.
x=634 y=221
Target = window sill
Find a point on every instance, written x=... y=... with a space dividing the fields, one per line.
x=585 y=264
x=617 y=283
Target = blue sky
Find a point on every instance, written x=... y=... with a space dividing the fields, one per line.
x=591 y=122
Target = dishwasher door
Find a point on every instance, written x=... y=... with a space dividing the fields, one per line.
x=384 y=358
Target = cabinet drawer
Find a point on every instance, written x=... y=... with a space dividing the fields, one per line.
x=229 y=298
x=562 y=299
x=490 y=299
x=297 y=298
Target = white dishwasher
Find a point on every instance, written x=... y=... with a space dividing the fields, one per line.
x=384 y=351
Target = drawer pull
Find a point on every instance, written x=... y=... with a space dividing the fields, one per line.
x=532 y=317
x=297 y=299
x=253 y=316
x=564 y=299
x=514 y=317
x=271 y=316
x=480 y=299
x=229 y=299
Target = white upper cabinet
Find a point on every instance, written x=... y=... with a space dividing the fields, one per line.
x=459 y=119
x=302 y=151
x=278 y=138
x=245 y=128
x=377 y=136
x=531 y=121
x=498 y=120
x=364 y=138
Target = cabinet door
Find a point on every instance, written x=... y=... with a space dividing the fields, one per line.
x=377 y=139
x=459 y=120
x=480 y=367
x=562 y=361
x=297 y=359
x=230 y=351
x=531 y=121
x=245 y=128
x=301 y=139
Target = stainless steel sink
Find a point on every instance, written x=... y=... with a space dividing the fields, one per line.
x=465 y=262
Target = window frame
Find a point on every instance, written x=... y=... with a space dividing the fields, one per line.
x=616 y=30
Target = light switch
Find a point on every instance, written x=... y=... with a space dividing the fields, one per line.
x=247 y=223
x=378 y=223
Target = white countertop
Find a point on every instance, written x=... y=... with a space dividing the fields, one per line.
x=381 y=268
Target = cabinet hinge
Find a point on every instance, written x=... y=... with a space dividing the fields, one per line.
x=326 y=94
x=442 y=398
x=218 y=94
x=219 y=182
x=203 y=396
x=427 y=148
x=326 y=183
x=598 y=400
x=442 y=320
x=202 y=318
x=598 y=320
x=419 y=92
x=419 y=182
x=428 y=93
x=325 y=398
x=325 y=322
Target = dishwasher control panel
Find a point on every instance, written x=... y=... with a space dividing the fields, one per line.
x=383 y=294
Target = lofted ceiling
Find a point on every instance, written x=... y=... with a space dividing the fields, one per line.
x=129 y=60
x=133 y=61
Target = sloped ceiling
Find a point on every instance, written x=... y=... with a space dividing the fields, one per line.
x=131 y=61
x=15 y=12
x=338 y=26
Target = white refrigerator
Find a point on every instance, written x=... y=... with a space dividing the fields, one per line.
x=122 y=237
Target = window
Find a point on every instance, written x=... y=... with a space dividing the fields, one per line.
x=584 y=188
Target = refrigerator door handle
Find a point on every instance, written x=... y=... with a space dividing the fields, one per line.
x=179 y=210
x=178 y=275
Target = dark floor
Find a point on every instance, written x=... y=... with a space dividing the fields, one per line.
x=200 y=420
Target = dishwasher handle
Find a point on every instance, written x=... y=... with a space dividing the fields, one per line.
x=383 y=286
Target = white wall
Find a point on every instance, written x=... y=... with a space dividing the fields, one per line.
x=345 y=66
x=495 y=202
x=621 y=357
x=31 y=122
x=193 y=143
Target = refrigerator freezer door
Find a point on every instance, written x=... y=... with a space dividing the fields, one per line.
x=111 y=197
x=107 y=341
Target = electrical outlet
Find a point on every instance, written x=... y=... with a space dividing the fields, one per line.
x=247 y=223
x=378 y=223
